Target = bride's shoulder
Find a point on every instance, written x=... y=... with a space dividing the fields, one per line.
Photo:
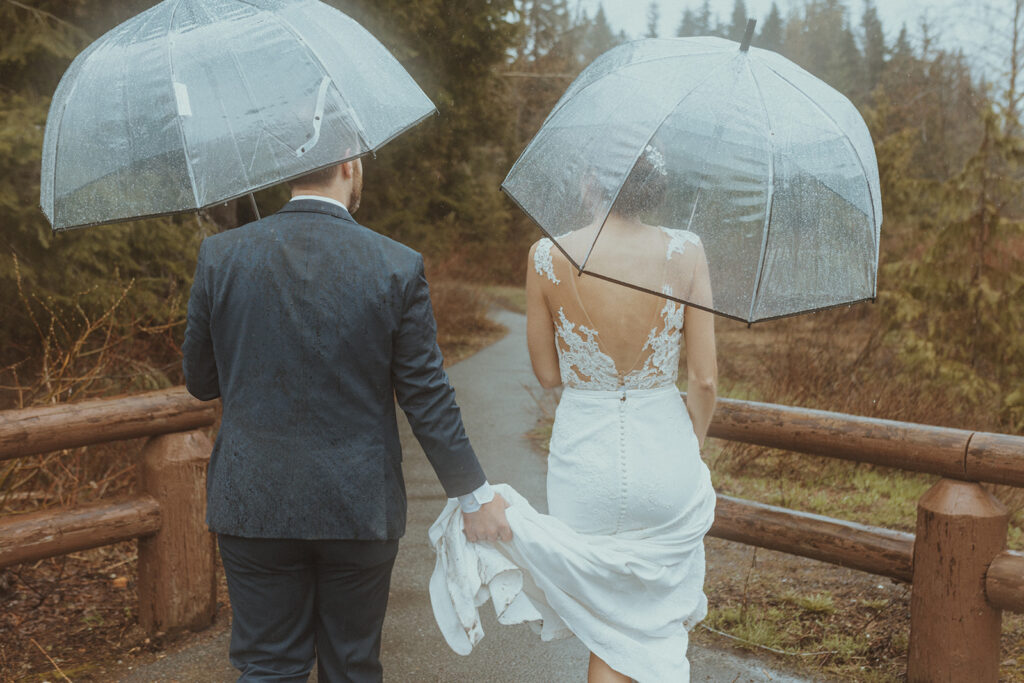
x=542 y=259
x=681 y=241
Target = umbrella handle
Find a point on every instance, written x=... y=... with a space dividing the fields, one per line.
x=252 y=203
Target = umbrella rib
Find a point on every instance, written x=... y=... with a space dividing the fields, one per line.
x=56 y=157
x=84 y=57
x=360 y=130
x=771 y=198
x=60 y=121
x=264 y=128
x=177 y=118
x=661 y=123
x=856 y=154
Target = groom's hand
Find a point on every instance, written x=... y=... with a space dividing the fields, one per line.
x=488 y=523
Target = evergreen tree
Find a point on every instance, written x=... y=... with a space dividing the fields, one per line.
x=705 y=20
x=653 y=15
x=874 y=44
x=544 y=24
x=688 y=26
x=822 y=42
x=599 y=37
x=901 y=49
x=956 y=311
x=738 y=27
x=770 y=36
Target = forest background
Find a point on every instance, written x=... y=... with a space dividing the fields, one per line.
x=101 y=311
x=949 y=149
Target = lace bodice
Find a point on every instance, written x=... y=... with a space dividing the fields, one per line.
x=583 y=363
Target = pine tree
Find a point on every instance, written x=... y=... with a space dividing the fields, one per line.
x=653 y=15
x=957 y=310
x=874 y=44
x=688 y=26
x=705 y=19
x=738 y=27
x=901 y=49
x=822 y=42
x=544 y=24
x=770 y=37
x=599 y=37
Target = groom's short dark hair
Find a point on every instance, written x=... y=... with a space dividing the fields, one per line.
x=321 y=176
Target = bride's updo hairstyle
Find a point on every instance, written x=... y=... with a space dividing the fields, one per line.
x=646 y=186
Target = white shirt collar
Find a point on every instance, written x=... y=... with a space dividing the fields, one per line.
x=319 y=198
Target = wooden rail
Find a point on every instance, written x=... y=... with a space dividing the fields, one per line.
x=1004 y=581
x=176 y=580
x=871 y=549
x=954 y=453
x=38 y=535
x=70 y=425
x=957 y=562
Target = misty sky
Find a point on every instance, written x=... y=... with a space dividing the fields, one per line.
x=957 y=24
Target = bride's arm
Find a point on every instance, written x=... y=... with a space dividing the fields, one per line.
x=540 y=330
x=701 y=361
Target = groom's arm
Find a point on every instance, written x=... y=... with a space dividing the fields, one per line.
x=198 y=361
x=426 y=396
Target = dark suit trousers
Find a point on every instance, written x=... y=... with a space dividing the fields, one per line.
x=295 y=602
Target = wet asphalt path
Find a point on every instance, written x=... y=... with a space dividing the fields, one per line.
x=501 y=401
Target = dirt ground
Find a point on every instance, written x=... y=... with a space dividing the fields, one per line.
x=67 y=618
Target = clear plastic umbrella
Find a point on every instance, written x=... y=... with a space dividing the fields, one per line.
x=773 y=170
x=195 y=102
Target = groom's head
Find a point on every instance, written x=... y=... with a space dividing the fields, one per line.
x=343 y=182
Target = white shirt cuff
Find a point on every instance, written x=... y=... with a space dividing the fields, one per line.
x=471 y=502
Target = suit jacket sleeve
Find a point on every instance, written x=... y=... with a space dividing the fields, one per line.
x=424 y=393
x=198 y=360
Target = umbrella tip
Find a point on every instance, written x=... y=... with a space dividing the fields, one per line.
x=745 y=45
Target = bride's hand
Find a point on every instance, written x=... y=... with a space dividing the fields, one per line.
x=488 y=523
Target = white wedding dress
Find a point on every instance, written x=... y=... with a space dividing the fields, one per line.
x=619 y=561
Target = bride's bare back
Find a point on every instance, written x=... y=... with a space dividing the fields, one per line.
x=604 y=335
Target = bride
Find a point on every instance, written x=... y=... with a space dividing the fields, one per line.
x=619 y=562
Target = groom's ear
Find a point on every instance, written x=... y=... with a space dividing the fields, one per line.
x=347 y=168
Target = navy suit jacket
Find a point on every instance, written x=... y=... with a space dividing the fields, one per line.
x=307 y=326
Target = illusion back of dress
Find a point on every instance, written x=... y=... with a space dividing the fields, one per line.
x=611 y=337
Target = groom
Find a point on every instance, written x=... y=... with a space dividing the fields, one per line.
x=308 y=326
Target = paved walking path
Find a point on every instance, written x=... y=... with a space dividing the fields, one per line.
x=494 y=390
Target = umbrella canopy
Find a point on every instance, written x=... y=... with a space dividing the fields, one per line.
x=195 y=102
x=773 y=170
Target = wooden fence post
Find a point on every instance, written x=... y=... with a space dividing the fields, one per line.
x=177 y=582
x=954 y=631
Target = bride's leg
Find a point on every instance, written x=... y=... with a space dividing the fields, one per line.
x=599 y=672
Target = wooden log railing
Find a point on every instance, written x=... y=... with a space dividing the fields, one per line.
x=962 y=576
x=176 y=579
x=957 y=562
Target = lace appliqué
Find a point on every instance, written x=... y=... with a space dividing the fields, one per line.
x=678 y=239
x=662 y=366
x=542 y=260
x=584 y=366
x=582 y=362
